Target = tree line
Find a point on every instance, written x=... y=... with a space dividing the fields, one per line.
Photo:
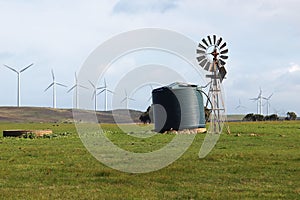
x=273 y=117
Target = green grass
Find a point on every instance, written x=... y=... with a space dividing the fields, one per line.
x=263 y=162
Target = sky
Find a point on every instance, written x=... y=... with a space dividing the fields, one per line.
x=263 y=37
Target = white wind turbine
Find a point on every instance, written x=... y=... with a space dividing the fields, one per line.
x=240 y=105
x=127 y=99
x=151 y=86
x=268 y=103
x=19 y=81
x=53 y=84
x=94 y=96
x=76 y=90
x=259 y=102
x=105 y=90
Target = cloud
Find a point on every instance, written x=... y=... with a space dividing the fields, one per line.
x=137 y=6
x=294 y=68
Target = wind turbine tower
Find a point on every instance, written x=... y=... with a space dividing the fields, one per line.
x=19 y=81
x=105 y=90
x=76 y=91
x=53 y=84
x=259 y=102
x=95 y=93
x=268 y=102
x=127 y=99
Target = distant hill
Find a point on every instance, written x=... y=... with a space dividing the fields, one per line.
x=235 y=117
x=42 y=114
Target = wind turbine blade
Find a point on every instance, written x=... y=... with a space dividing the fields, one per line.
x=22 y=70
x=92 y=84
x=82 y=86
x=123 y=100
x=131 y=99
x=61 y=85
x=270 y=96
x=260 y=92
x=110 y=91
x=71 y=89
x=76 y=79
x=151 y=87
x=53 y=77
x=49 y=87
x=94 y=95
x=105 y=83
x=101 y=91
x=11 y=68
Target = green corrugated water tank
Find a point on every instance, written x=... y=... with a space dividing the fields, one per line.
x=178 y=106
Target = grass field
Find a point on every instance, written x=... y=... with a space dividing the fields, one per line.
x=263 y=162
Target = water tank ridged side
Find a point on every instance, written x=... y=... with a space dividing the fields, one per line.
x=183 y=106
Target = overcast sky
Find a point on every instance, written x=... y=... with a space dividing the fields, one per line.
x=263 y=38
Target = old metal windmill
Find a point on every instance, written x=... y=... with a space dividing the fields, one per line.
x=211 y=55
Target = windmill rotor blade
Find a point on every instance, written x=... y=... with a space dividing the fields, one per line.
x=201 y=46
x=206 y=67
x=200 y=51
x=224 y=51
x=204 y=41
x=209 y=40
x=223 y=45
x=224 y=57
x=49 y=87
x=131 y=99
x=215 y=38
x=200 y=58
x=26 y=67
x=204 y=61
x=11 y=68
x=219 y=41
x=71 y=89
x=61 y=85
x=222 y=62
